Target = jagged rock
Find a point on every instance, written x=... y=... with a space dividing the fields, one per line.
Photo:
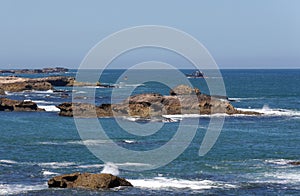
x=183 y=100
x=87 y=180
x=18 y=106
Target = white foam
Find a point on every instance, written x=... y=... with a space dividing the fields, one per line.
x=90 y=166
x=167 y=183
x=110 y=168
x=278 y=161
x=8 y=161
x=49 y=108
x=129 y=141
x=9 y=189
x=273 y=112
x=49 y=173
x=56 y=165
x=133 y=164
x=41 y=101
x=42 y=92
x=89 y=142
x=239 y=99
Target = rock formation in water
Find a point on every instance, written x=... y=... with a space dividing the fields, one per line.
x=18 y=106
x=87 y=180
x=182 y=100
x=17 y=84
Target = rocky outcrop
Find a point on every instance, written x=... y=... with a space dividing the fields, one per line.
x=17 y=84
x=183 y=100
x=18 y=106
x=87 y=180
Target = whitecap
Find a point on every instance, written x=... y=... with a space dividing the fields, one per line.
x=8 y=161
x=267 y=111
x=170 y=183
x=49 y=108
x=49 y=173
x=129 y=141
x=9 y=189
x=56 y=165
x=110 y=168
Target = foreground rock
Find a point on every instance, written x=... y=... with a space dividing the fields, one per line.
x=183 y=100
x=18 y=106
x=87 y=180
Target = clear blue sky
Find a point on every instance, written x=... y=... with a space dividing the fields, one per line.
x=238 y=34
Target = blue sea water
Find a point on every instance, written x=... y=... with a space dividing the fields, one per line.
x=250 y=156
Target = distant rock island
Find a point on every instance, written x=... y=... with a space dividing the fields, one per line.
x=35 y=71
x=17 y=84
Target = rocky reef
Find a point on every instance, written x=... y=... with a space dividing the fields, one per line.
x=182 y=100
x=17 y=84
x=18 y=106
x=87 y=180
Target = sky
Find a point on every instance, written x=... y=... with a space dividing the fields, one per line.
x=237 y=33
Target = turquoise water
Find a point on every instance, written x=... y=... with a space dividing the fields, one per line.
x=250 y=156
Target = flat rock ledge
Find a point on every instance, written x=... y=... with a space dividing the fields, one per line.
x=87 y=180
x=17 y=84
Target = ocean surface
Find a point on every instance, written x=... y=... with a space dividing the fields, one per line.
x=250 y=156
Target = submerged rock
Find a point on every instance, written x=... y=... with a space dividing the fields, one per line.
x=294 y=163
x=87 y=180
x=18 y=106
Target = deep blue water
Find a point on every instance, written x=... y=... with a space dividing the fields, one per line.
x=250 y=156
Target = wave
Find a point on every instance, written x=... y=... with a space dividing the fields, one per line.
x=239 y=99
x=49 y=173
x=56 y=165
x=110 y=168
x=42 y=92
x=9 y=189
x=75 y=142
x=266 y=111
x=170 y=183
x=49 y=108
x=278 y=161
x=8 y=162
x=129 y=141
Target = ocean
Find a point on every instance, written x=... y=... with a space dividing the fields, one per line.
x=250 y=156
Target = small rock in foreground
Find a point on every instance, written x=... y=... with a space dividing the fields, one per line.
x=87 y=180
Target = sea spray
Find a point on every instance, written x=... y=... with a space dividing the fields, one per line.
x=110 y=168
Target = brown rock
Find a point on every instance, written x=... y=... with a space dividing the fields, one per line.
x=18 y=106
x=186 y=101
x=294 y=163
x=2 y=92
x=184 y=90
x=87 y=180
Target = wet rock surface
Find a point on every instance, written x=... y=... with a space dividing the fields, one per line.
x=87 y=180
